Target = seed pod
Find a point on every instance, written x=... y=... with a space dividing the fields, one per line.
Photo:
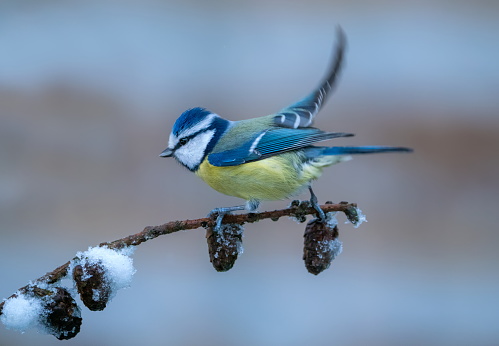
x=354 y=214
x=224 y=246
x=92 y=285
x=321 y=245
x=63 y=317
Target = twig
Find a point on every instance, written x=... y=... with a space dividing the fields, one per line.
x=297 y=209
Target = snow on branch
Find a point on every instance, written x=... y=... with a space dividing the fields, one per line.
x=98 y=273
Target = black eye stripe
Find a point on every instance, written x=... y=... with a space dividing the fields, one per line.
x=183 y=141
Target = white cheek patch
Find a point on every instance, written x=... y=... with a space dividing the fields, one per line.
x=193 y=152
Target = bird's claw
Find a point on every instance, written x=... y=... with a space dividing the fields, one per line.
x=320 y=213
x=219 y=213
x=315 y=203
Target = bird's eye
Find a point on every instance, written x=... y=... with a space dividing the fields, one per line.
x=183 y=141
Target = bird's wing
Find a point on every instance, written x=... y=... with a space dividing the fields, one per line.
x=302 y=113
x=273 y=141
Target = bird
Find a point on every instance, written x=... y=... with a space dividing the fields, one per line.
x=264 y=158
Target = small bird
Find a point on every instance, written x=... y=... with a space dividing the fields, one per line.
x=264 y=158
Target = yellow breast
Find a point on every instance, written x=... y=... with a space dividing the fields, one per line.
x=274 y=178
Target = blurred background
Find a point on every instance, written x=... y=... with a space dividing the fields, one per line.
x=89 y=91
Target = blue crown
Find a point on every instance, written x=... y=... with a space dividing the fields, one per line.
x=189 y=118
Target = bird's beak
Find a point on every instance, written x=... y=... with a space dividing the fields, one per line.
x=166 y=153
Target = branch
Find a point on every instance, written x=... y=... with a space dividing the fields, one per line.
x=297 y=209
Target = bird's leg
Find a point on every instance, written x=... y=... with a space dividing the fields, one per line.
x=315 y=204
x=221 y=212
x=251 y=206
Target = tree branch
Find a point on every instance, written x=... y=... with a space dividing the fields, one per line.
x=297 y=209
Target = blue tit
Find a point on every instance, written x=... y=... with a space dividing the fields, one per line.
x=266 y=158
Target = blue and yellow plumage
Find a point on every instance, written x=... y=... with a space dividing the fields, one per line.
x=265 y=158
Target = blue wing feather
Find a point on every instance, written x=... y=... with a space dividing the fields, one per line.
x=271 y=142
x=291 y=129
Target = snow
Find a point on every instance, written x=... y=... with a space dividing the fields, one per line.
x=331 y=220
x=240 y=248
x=336 y=247
x=118 y=266
x=21 y=312
x=25 y=311
x=96 y=294
x=362 y=218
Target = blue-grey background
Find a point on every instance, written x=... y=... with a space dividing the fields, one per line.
x=90 y=89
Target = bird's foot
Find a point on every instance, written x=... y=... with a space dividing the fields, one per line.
x=313 y=200
x=220 y=213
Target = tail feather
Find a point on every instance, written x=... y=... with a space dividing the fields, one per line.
x=363 y=150
x=322 y=151
x=302 y=113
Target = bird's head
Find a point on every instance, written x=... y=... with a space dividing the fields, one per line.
x=193 y=136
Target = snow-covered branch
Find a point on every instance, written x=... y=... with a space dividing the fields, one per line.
x=98 y=273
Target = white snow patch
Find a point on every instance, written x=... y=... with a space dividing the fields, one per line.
x=336 y=247
x=331 y=220
x=95 y=294
x=21 y=312
x=361 y=216
x=118 y=266
x=240 y=248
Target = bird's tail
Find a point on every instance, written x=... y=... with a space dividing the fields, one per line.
x=312 y=152
x=372 y=149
